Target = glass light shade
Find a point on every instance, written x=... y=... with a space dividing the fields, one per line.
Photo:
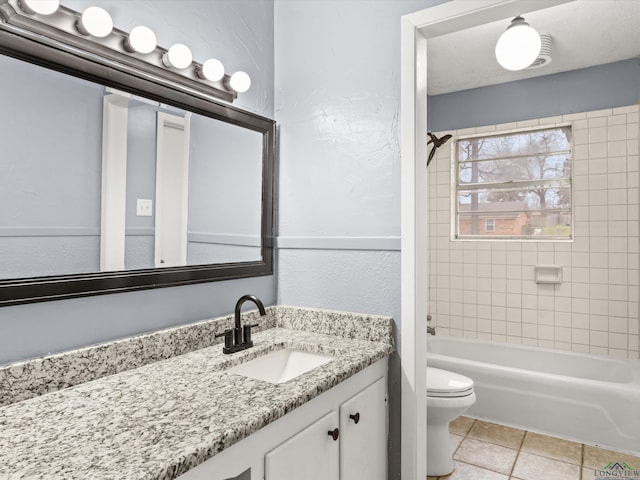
x=178 y=56
x=95 y=21
x=42 y=7
x=141 y=39
x=240 y=82
x=212 y=70
x=518 y=46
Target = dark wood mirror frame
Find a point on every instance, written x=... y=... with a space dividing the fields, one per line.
x=37 y=289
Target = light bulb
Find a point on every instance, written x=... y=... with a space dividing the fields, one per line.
x=42 y=7
x=178 y=56
x=240 y=82
x=141 y=39
x=518 y=46
x=95 y=21
x=212 y=70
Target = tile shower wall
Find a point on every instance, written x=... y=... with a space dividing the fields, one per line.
x=486 y=289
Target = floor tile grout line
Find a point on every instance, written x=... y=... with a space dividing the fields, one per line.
x=464 y=437
x=489 y=442
x=519 y=450
x=513 y=467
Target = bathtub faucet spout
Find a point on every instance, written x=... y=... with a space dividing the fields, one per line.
x=430 y=330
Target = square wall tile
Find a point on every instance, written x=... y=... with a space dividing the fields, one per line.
x=487 y=288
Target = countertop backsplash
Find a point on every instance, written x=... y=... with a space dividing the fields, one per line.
x=30 y=378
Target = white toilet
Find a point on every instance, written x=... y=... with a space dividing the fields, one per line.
x=448 y=396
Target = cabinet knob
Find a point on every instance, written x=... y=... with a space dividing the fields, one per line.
x=355 y=418
x=335 y=433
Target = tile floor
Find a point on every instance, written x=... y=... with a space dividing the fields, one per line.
x=488 y=451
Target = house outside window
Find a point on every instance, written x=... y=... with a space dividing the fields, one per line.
x=514 y=185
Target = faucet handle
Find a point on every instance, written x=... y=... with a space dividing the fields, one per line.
x=228 y=338
x=246 y=333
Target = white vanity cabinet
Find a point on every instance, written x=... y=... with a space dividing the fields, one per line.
x=311 y=454
x=363 y=434
x=301 y=445
x=357 y=451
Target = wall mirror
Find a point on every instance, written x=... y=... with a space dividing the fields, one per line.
x=113 y=181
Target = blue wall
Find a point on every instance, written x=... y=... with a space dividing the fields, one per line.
x=62 y=148
x=338 y=109
x=240 y=34
x=595 y=88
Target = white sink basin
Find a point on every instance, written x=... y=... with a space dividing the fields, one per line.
x=281 y=366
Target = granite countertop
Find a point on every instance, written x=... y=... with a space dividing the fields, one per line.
x=162 y=419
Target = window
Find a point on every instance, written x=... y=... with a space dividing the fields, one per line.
x=490 y=225
x=518 y=185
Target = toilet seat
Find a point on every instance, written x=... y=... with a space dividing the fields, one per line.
x=445 y=384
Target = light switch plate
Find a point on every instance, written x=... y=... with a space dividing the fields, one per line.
x=144 y=207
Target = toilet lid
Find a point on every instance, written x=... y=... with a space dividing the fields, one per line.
x=442 y=383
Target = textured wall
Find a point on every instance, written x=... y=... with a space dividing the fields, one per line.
x=238 y=32
x=337 y=104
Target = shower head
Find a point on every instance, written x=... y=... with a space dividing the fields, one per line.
x=437 y=143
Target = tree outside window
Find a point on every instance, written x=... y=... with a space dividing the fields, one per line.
x=520 y=181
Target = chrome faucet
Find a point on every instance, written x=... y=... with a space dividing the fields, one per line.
x=239 y=337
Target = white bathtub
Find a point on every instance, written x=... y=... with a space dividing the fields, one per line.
x=586 y=398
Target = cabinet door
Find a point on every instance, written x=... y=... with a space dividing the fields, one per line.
x=311 y=454
x=363 y=434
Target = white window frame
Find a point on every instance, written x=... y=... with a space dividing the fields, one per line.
x=454 y=186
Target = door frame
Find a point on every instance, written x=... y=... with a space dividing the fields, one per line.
x=115 y=115
x=181 y=196
x=416 y=29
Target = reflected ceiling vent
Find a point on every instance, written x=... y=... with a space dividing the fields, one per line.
x=544 y=57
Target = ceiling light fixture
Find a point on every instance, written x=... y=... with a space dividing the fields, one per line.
x=42 y=7
x=95 y=21
x=519 y=46
x=141 y=39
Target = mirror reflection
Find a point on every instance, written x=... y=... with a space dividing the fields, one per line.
x=100 y=180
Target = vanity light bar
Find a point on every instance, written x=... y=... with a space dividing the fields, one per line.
x=93 y=35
